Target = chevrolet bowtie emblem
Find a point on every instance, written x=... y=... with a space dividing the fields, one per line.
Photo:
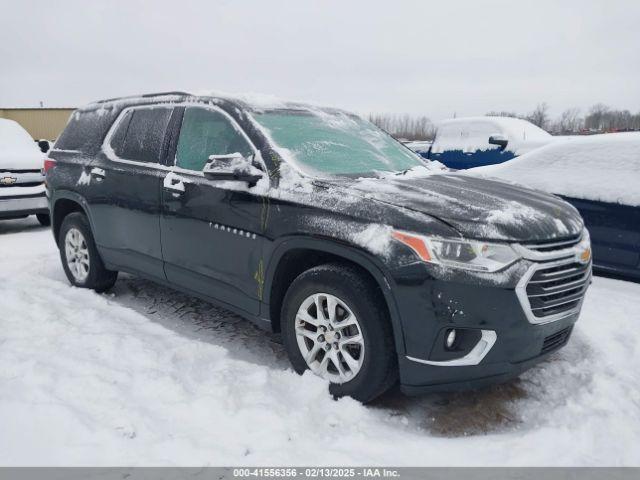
x=8 y=180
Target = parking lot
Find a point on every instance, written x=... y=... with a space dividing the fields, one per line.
x=146 y=375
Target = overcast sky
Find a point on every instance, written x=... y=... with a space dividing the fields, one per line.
x=432 y=58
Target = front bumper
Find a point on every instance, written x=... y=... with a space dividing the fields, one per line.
x=431 y=302
x=500 y=367
x=21 y=205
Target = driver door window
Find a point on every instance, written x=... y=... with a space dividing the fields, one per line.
x=207 y=132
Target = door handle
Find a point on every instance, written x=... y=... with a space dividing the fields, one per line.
x=174 y=183
x=98 y=173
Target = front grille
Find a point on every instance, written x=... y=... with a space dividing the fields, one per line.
x=553 y=246
x=26 y=184
x=555 y=341
x=20 y=178
x=557 y=289
x=18 y=170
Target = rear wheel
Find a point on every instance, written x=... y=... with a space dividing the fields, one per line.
x=44 y=219
x=80 y=259
x=335 y=325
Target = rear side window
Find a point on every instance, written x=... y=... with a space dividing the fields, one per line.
x=207 y=132
x=140 y=133
x=86 y=129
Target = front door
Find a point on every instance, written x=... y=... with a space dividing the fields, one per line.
x=210 y=230
x=124 y=197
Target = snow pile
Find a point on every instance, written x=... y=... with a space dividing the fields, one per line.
x=17 y=149
x=599 y=167
x=472 y=133
x=149 y=376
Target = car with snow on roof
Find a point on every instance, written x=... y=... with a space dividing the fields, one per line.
x=469 y=142
x=22 y=191
x=600 y=176
x=312 y=222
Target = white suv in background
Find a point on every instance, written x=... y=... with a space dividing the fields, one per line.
x=22 y=191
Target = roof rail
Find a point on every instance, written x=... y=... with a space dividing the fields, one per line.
x=146 y=95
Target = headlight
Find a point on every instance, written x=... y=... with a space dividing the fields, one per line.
x=458 y=253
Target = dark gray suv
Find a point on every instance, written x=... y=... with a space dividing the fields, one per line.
x=312 y=222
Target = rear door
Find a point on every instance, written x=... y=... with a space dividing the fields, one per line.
x=211 y=229
x=124 y=197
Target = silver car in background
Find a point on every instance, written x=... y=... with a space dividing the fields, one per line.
x=22 y=191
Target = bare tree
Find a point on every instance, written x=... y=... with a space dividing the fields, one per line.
x=405 y=126
x=540 y=116
x=596 y=119
x=599 y=119
x=570 y=121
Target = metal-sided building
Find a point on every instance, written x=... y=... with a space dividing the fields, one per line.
x=41 y=123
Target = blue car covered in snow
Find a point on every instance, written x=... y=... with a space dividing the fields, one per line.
x=599 y=175
x=462 y=143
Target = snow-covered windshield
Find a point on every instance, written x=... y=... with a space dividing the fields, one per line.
x=335 y=143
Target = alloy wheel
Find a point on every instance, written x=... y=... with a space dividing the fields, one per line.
x=77 y=254
x=330 y=338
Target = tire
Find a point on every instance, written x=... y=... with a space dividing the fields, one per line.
x=357 y=296
x=91 y=273
x=44 y=219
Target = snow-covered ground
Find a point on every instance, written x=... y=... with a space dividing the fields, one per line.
x=148 y=376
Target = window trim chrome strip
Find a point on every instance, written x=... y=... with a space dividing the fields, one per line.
x=111 y=154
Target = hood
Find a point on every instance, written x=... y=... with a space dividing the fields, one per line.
x=21 y=159
x=477 y=208
x=18 y=151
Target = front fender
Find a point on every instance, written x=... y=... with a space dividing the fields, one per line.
x=355 y=255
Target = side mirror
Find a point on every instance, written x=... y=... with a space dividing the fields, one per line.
x=232 y=167
x=44 y=145
x=499 y=140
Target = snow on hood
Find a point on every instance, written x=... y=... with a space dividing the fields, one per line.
x=476 y=208
x=17 y=149
x=599 y=167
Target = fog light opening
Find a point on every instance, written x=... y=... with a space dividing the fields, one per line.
x=450 y=339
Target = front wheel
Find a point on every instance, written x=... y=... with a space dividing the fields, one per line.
x=335 y=325
x=80 y=259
